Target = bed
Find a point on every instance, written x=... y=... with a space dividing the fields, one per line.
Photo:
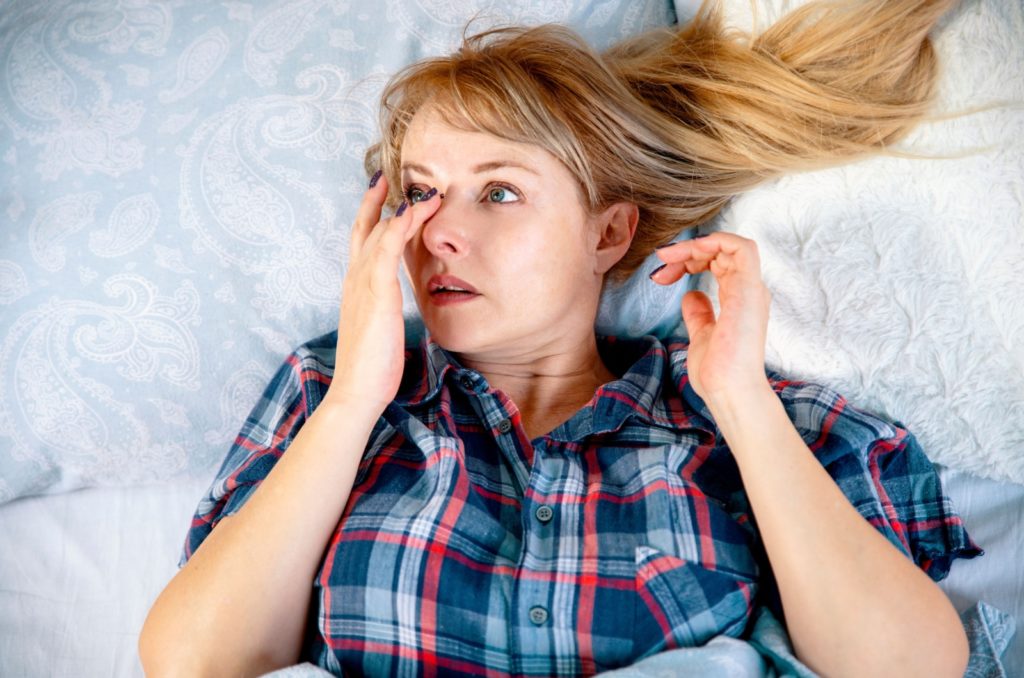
x=175 y=185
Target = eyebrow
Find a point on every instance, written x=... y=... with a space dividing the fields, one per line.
x=482 y=167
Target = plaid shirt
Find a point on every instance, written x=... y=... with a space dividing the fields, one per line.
x=467 y=549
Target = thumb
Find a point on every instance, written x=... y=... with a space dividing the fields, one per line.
x=698 y=313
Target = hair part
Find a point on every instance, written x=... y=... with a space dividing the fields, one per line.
x=678 y=120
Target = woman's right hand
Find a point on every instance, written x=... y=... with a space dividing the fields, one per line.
x=370 y=355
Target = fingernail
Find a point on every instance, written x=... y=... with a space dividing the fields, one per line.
x=428 y=195
x=652 y=273
x=401 y=209
x=702 y=235
x=375 y=178
x=661 y=247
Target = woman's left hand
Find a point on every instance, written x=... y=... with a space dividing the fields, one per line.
x=726 y=356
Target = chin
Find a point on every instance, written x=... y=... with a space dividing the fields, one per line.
x=454 y=337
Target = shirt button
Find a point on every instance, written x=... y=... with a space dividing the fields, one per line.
x=538 y=615
x=544 y=514
x=466 y=381
x=505 y=425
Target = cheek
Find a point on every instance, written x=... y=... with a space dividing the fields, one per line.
x=525 y=257
x=540 y=266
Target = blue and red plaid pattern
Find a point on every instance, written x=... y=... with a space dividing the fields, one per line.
x=467 y=549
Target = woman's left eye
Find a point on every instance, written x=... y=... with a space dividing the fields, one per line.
x=497 y=194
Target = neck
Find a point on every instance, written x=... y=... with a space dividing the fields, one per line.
x=549 y=384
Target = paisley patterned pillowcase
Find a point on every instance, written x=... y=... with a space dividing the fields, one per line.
x=176 y=181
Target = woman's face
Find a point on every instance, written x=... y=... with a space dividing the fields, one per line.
x=511 y=225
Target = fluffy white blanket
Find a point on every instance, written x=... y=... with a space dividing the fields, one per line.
x=900 y=283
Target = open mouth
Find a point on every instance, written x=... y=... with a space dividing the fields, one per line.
x=444 y=292
x=448 y=289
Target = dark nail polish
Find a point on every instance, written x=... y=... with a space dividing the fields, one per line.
x=651 y=274
x=375 y=178
x=401 y=209
x=702 y=235
x=661 y=247
x=428 y=195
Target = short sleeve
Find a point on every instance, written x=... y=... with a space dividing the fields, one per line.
x=880 y=467
x=267 y=432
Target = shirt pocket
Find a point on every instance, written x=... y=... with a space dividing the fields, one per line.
x=681 y=603
x=695 y=572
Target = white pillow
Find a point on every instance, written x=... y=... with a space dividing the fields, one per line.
x=900 y=283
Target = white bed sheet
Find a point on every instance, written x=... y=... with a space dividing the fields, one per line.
x=78 y=571
x=993 y=513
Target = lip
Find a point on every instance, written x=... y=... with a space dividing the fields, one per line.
x=449 y=298
x=448 y=281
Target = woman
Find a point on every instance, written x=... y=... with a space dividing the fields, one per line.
x=518 y=495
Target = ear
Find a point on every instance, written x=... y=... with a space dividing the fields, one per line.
x=614 y=229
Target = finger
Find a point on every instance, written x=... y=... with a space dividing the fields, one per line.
x=705 y=245
x=735 y=254
x=389 y=240
x=733 y=285
x=697 y=263
x=368 y=215
x=698 y=313
x=669 y=273
x=723 y=264
x=422 y=211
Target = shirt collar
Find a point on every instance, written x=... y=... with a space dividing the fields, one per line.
x=426 y=367
x=648 y=366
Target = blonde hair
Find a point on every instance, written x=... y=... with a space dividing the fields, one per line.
x=679 y=120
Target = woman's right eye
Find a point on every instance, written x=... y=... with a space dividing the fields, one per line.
x=413 y=194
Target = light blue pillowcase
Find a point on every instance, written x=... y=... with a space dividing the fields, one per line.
x=640 y=306
x=176 y=183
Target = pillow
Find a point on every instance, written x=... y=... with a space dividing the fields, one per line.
x=178 y=183
x=898 y=282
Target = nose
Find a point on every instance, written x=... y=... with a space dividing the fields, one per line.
x=444 y=233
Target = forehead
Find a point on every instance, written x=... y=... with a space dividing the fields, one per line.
x=429 y=132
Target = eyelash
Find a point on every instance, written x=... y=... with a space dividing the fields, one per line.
x=406 y=190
